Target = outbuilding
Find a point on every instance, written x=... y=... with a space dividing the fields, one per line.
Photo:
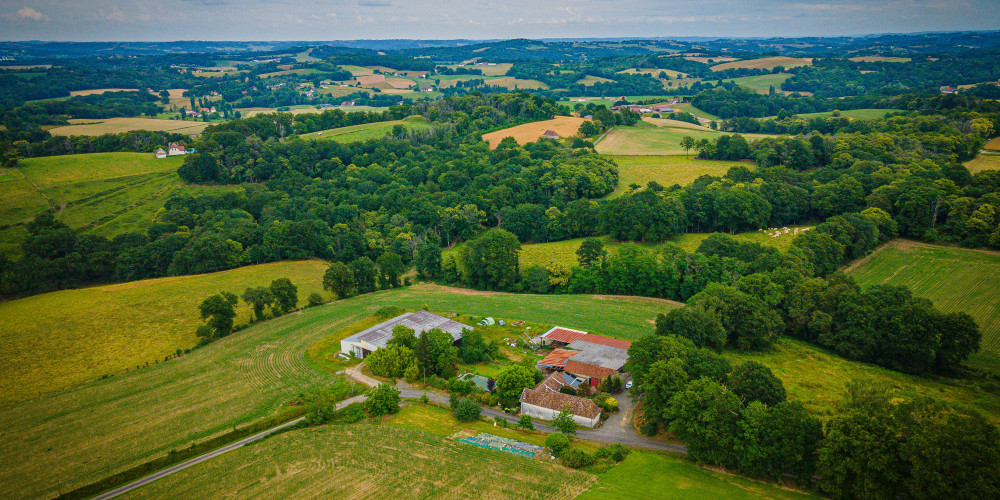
x=545 y=404
x=365 y=342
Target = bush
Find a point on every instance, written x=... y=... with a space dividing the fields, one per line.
x=315 y=299
x=526 y=423
x=615 y=452
x=501 y=422
x=467 y=410
x=610 y=404
x=567 y=390
x=388 y=312
x=383 y=399
x=424 y=399
x=649 y=428
x=557 y=442
x=564 y=421
x=577 y=459
x=203 y=332
x=350 y=414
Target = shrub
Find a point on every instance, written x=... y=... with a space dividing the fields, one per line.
x=315 y=299
x=412 y=373
x=467 y=410
x=424 y=399
x=501 y=422
x=611 y=404
x=649 y=428
x=383 y=399
x=615 y=452
x=350 y=414
x=526 y=423
x=564 y=421
x=557 y=442
x=203 y=331
x=577 y=459
x=388 y=312
x=567 y=390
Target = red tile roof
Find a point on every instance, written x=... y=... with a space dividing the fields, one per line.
x=564 y=335
x=556 y=400
x=553 y=382
x=557 y=357
x=608 y=341
x=588 y=370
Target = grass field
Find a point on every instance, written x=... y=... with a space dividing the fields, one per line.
x=368 y=131
x=654 y=72
x=646 y=140
x=133 y=417
x=711 y=60
x=591 y=79
x=565 y=126
x=116 y=125
x=60 y=339
x=74 y=93
x=762 y=84
x=955 y=279
x=368 y=461
x=880 y=59
x=981 y=162
x=666 y=170
x=765 y=63
x=649 y=475
x=853 y=113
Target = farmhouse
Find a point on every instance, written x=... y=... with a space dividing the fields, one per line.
x=550 y=134
x=174 y=149
x=584 y=356
x=160 y=153
x=363 y=343
x=544 y=403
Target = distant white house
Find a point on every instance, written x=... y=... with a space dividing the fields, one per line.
x=160 y=153
x=365 y=342
x=174 y=149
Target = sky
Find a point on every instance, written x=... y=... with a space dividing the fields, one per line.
x=167 y=20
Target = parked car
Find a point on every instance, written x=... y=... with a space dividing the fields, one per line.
x=628 y=385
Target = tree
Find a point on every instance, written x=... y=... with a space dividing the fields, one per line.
x=475 y=348
x=286 y=295
x=687 y=143
x=467 y=410
x=526 y=423
x=511 y=381
x=220 y=310
x=748 y=322
x=428 y=261
x=778 y=440
x=365 y=274
x=383 y=399
x=752 y=381
x=493 y=260
x=258 y=298
x=591 y=250
x=703 y=327
x=557 y=442
x=704 y=416
x=390 y=268
x=564 y=421
x=435 y=353
x=339 y=279
x=666 y=377
x=391 y=362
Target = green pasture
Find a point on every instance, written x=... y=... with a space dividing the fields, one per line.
x=367 y=131
x=665 y=170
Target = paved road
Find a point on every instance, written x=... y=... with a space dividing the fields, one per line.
x=208 y=456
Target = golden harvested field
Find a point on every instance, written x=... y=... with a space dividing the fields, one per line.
x=367 y=460
x=57 y=340
x=498 y=69
x=651 y=71
x=116 y=125
x=993 y=145
x=370 y=79
x=74 y=93
x=400 y=83
x=880 y=59
x=565 y=126
x=711 y=60
x=765 y=63
x=983 y=162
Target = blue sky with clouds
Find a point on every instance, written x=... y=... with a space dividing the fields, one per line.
x=109 y=20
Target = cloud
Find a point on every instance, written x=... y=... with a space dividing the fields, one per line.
x=28 y=13
x=375 y=3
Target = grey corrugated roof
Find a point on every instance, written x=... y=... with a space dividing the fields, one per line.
x=419 y=321
x=599 y=355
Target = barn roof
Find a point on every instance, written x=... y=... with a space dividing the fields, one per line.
x=588 y=370
x=556 y=401
x=565 y=335
x=599 y=354
x=420 y=322
x=557 y=358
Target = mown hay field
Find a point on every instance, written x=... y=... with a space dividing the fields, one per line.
x=366 y=461
x=765 y=63
x=955 y=279
x=368 y=131
x=654 y=72
x=651 y=475
x=565 y=126
x=133 y=417
x=854 y=114
x=60 y=339
x=993 y=144
x=665 y=170
x=117 y=125
x=74 y=93
x=591 y=80
x=983 y=162
x=711 y=60
x=49 y=171
x=653 y=140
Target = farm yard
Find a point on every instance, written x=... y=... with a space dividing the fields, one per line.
x=108 y=329
x=235 y=380
x=765 y=63
x=955 y=279
x=117 y=125
x=368 y=460
x=565 y=126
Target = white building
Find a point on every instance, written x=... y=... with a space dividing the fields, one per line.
x=363 y=343
x=160 y=153
x=174 y=149
x=544 y=403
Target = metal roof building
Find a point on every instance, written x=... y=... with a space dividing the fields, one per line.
x=377 y=337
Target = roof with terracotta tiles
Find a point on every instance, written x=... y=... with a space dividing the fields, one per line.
x=557 y=358
x=556 y=401
x=565 y=335
x=588 y=370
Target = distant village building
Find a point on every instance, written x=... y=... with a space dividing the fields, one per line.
x=948 y=90
x=550 y=134
x=160 y=153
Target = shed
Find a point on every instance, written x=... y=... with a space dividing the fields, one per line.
x=545 y=405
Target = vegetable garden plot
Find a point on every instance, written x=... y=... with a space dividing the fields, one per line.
x=508 y=445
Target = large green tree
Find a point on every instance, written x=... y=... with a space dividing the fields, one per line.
x=286 y=295
x=220 y=311
x=258 y=298
x=493 y=260
x=339 y=279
